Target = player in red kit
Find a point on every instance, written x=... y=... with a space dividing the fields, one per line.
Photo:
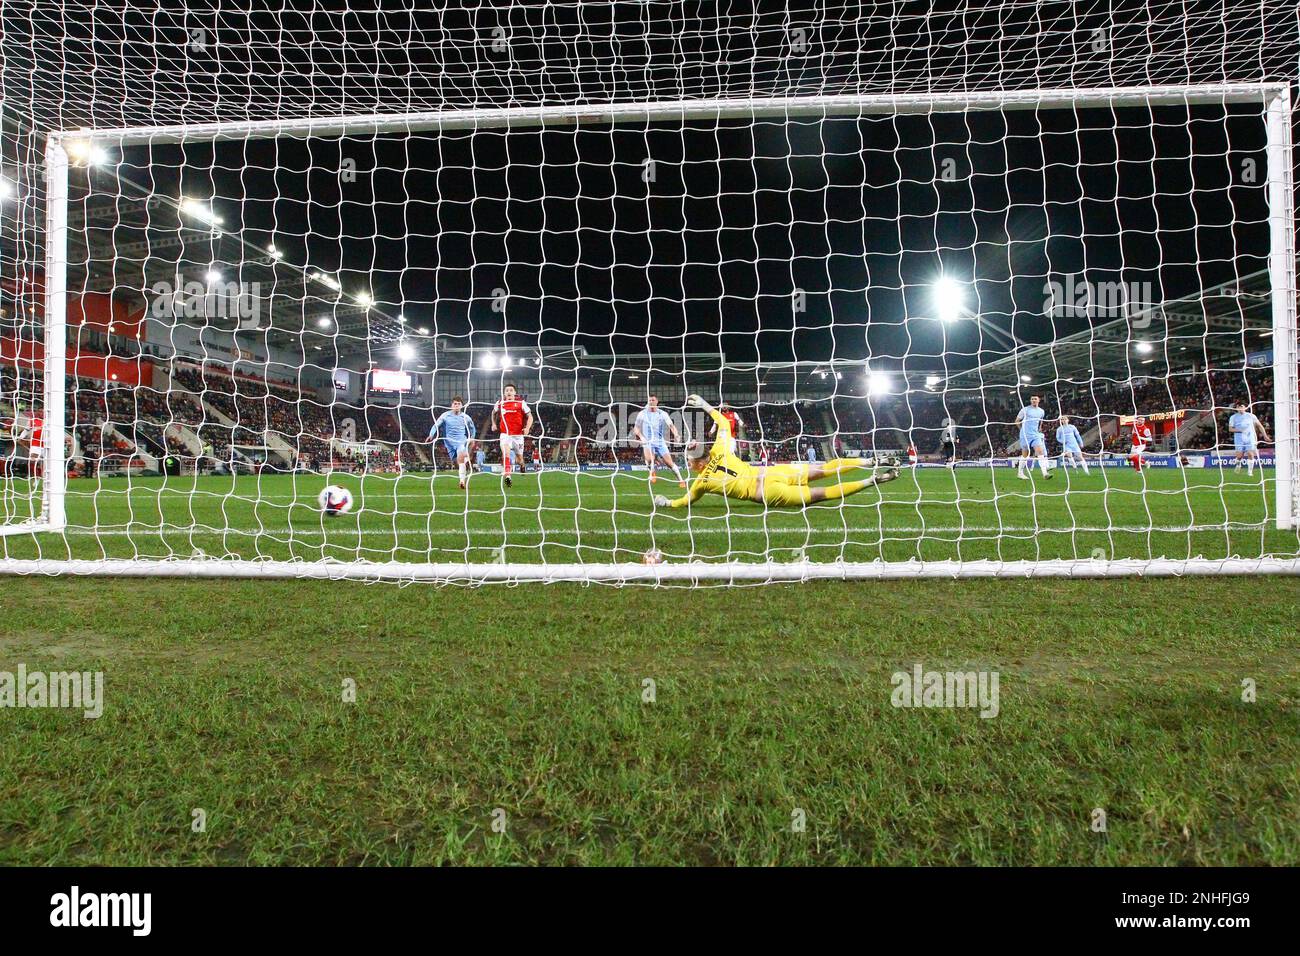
x=29 y=442
x=513 y=419
x=733 y=420
x=1141 y=439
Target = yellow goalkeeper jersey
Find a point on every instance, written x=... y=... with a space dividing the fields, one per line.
x=725 y=474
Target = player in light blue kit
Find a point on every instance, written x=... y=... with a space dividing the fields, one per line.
x=1030 y=421
x=458 y=433
x=651 y=429
x=1071 y=442
x=1246 y=429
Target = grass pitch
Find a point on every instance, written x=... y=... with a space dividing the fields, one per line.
x=529 y=706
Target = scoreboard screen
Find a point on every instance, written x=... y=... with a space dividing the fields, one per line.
x=390 y=381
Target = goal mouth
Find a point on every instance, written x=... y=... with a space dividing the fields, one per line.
x=857 y=276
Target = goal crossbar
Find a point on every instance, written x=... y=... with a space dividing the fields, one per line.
x=364 y=124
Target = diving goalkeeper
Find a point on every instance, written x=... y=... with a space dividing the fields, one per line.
x=719 y=471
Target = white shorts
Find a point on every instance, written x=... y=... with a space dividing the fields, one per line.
x=512 y=444
x=1137 y=450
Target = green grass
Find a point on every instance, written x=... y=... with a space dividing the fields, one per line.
x=599 y=517
x=227 y=696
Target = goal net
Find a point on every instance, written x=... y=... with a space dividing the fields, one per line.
x=827 y=322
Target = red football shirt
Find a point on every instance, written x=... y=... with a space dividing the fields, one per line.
x=732 y=420
x=36 y=432
x=1141 y=435
x=511 y=414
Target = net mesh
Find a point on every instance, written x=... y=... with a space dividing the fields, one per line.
x=143 y=64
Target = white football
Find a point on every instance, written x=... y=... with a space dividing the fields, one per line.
x=335 y=500
x=653 y=556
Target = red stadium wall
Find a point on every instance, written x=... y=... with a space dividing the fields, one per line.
x=91 y=310
x=98 y=310
x=105 y=368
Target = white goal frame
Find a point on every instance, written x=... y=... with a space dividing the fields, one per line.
x=53 y=515
x=1278 y=115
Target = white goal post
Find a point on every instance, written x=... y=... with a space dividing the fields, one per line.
x=51 y=514
x=1274 y=98
x=1282 y=278
x=54 y=503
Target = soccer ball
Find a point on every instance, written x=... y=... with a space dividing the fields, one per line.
x=653 y=556
x=335 y=500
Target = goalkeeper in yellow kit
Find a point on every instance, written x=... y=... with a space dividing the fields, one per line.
x=719 y=471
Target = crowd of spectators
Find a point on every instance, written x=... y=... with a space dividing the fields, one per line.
x=112 y=422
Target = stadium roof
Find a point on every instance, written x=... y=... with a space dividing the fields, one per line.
x=127 y=238
x=1217 y=327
